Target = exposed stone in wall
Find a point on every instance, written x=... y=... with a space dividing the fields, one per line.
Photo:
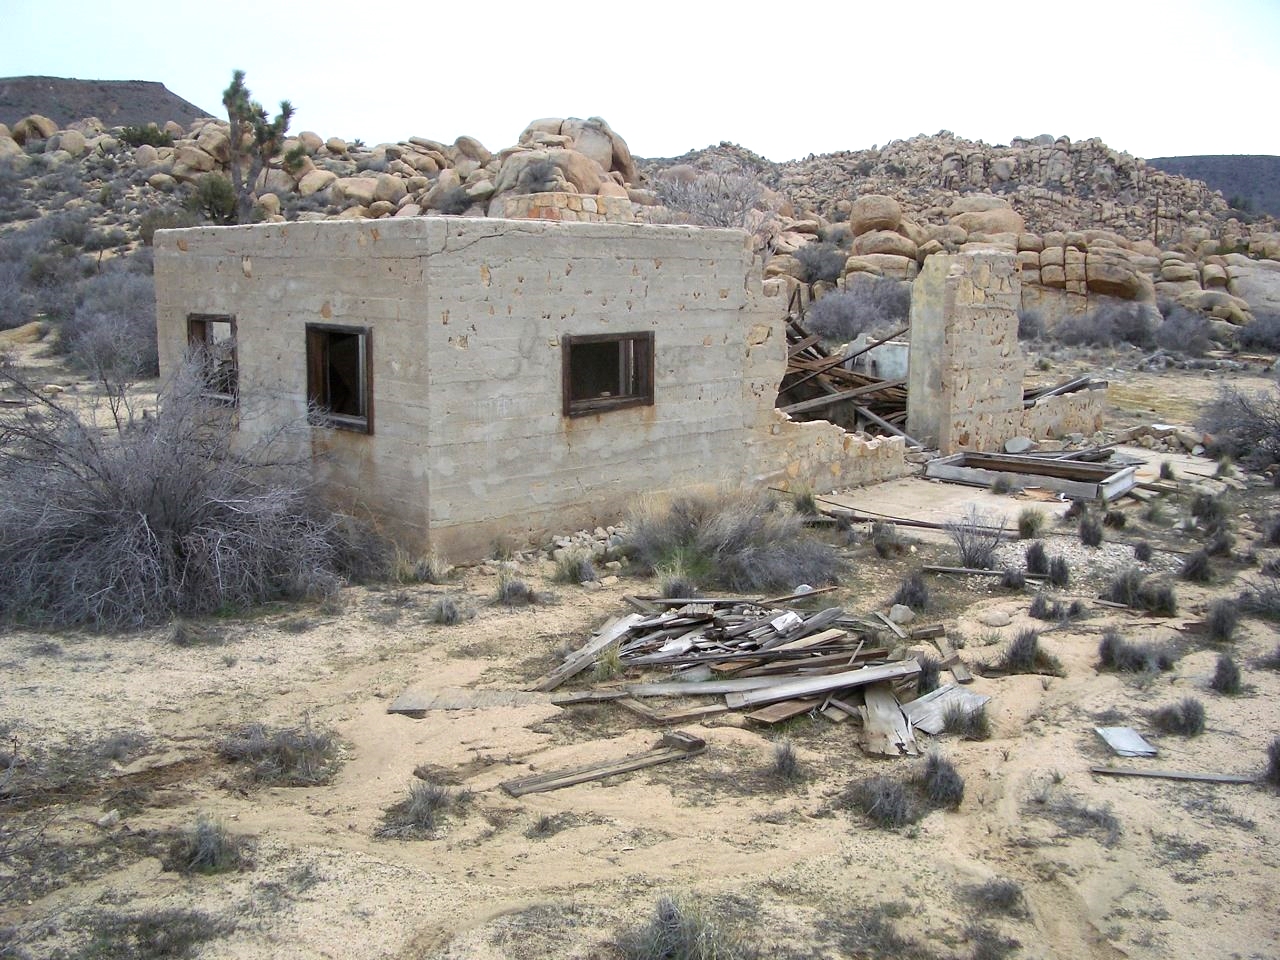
x=569 y=206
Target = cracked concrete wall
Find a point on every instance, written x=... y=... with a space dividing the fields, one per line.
x=469 y=440
x=965 y=369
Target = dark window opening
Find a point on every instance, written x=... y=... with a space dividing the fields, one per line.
x=212 y=340
x=607 y=372
x=339 y=381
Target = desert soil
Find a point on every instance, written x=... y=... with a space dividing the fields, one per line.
x=116 y=739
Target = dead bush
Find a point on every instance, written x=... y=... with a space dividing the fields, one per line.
x=287 y=756
x=418 y=815
x=785 y=764
x=1111 y=324
x=998 y=895
x=886 y=540
x=867 y=304
x=1197 y=568
x=941 y=783
x=1184 y=331
x=681 y=929
x=1037 y=559
x=1271 y=773
x=1025 y=655
x=912 y=592
x=1185 y=718
x=154 y=934
x=1222 y=620
x=112 y=332
x=1243 y=426
x=1031 y=525
x=1226 y=676
x=970 y=724
x=1116 y=653
x=821 y=262
x=739 y=541
x=1090 y=531
x=207 y=847
x=930 y=673
x=726 y=196
x=885 y=801
x=160 y=515
x=976 y=536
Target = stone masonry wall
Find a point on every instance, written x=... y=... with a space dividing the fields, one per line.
x=469 y=440
x=569 y=206
x=964 y=383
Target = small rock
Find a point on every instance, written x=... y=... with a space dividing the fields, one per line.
x=110 y=819
x=901 y=613
x=994 y=618
x=613 y=565
x=608 y=581
x=801 y=590
x=1018 y=444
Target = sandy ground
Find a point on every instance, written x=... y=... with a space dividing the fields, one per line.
x=1110 y=867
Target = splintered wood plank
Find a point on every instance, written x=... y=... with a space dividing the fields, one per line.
x=897 y=630
x=674 y=746
x=415 y=701
x=784 y=710
x=1175 y=775
x=585 y=657
x=814 y=686
x=885 y=730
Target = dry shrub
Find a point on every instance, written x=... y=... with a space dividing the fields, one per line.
x=1222 y=620
x=156 y=516
x=1116 y=653
x=1186 y=717
x=739 y=541
x=681 y=929
x=1030 y=525
x=976 y=536
x=1036 y=557
x=970 y=724
x=1226 y=676
x=1245 y=427
x=1025 y=655
x=912 y=592
x=290 y=756
x=206 y=847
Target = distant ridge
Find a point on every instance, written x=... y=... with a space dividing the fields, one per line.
x=114 y=102
x=1255 y=179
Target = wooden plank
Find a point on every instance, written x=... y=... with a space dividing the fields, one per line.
x=773 y=601
x=674 y=746
x=818 y=403
x=800 y=346
x=927 y=632
x=1175 y=775
x=897 y=630
x=885 y=730
x=580 y=660
x=587 y=696
x=812 y=686
x=699 y=688
x=886 y=425
x=784 y=710
x=975 y=571
x=951 y=660
x=643 y=606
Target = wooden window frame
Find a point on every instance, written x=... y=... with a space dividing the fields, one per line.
x=198 y=334
x=317 y=389
x=642 y=358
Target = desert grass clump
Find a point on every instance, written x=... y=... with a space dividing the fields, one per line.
x=1037 y=559
x=1220 y=543
x=740 y=541
x=912 y=592
x=448 y=611
x=1210 y=511
x=966 y=722
x=885 y=801
x=1185 y=718
x=1115 y=519
x=886 y=540
x=431 y=568
x=1002 y=484
x=1261 y=596
x=1116 y=653
x=1270 y=661
x=1043 y=608
x=153 y=934
x=1271 y=773
x=1125 y=587
x=976 y=536
x=207 y=847
x=511 y=591
x=302 y=756
x=1024 y=654
x=1142 y=552
x=998 y=895
x=941 y=783
x=1013 y=579
x=1030 y=523
x=1166 y=470
x=785 y=763
x=804 y=502
x=608 y=665
x=1197 y=568
x=930 y=673
x=674 y=583
x=418 y=815
x=1271 y=528
x=1156 y=513
x=680 y=929
x=574 y=566
x=1158 y=598
x=1059 y=572
x=1226 y=676
x=1090 y=531
x=1221 y=621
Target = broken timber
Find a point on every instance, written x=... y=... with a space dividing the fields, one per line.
x=673 y=746
x=585 y=657
x=1174 y=775
x=823 y=684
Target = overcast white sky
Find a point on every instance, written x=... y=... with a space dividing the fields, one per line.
x=784 y=79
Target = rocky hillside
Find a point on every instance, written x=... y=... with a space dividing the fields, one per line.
x=115 y=102
x=1251 y=183
x=1084 y=221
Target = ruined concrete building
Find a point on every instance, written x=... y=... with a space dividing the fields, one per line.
x=468 y=378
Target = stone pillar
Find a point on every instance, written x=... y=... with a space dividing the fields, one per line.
x=964 y=378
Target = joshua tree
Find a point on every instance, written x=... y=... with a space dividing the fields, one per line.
x=265 y=137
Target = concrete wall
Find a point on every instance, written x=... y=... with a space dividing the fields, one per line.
x=964 y=383
x=469 y=440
